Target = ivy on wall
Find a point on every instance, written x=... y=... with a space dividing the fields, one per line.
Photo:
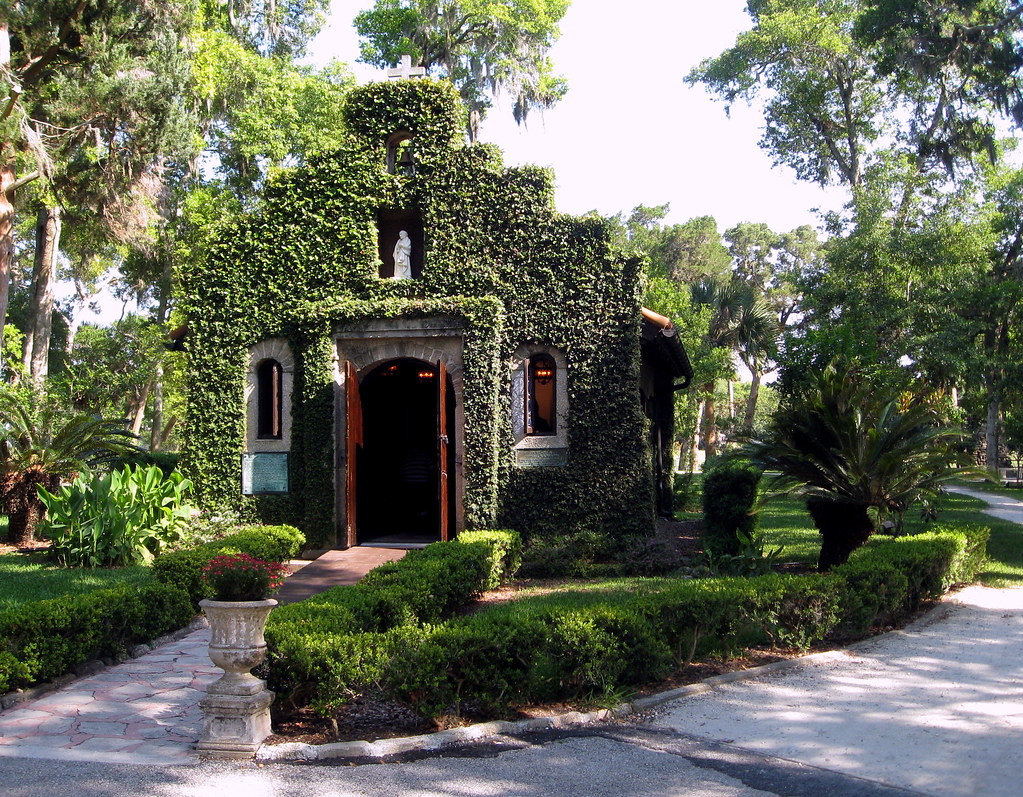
x=498 y=257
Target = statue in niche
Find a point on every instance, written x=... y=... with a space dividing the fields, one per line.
x=403 y=257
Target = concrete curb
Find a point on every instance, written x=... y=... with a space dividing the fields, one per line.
x=433 y=742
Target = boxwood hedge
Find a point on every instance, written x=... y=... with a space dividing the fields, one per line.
x=45 y=639
x=389 y=634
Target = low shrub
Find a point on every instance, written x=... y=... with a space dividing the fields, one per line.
x=123 y=517
x=581 y=643
x=425 y=586
x=729 y=493
x=183 y=569
x=45 y=639
x=890 y=578
x=506 y=558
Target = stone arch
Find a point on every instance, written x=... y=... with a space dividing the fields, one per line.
x=279 y=350
x=523 y=442
x=370 y=344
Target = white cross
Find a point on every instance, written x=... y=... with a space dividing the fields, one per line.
x=406 y=71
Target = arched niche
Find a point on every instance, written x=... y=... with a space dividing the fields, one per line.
x=390 y=223
x=400 y=154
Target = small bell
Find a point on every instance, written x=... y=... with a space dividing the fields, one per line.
x=406 y=165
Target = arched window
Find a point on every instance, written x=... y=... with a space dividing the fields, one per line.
x=269 y=400
x=541 y=396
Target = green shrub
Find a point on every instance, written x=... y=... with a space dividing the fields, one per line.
x=507 y=553
x=183 y=569
x=425 y=586
x=45 y=639
x=889 y=579
x=119 y=518
x=579 y=643
x=729 y=493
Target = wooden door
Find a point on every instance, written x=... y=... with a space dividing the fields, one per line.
x=442 y=449
x=353 y=442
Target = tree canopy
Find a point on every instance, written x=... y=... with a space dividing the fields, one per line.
x=485 y=47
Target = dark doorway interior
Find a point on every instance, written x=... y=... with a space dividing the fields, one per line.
x=398 y=481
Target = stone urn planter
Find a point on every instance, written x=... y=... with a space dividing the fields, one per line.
x=236 y=709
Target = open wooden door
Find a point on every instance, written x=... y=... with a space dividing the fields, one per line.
x=442 y=449
x=353 y=442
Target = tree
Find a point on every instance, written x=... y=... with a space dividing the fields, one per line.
x=850 y=447
x=484 y=47
x=40 y=445
x=823 y=105
x=93 y=110
x=740 y=323
x=956 y=59
x=770 y=265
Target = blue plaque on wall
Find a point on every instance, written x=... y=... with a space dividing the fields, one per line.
x=264 y=473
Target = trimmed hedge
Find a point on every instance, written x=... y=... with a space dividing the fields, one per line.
x=183 y=569
x=888 y=579
x=579 y=644
x=729 y=493
x=45 y=639
x=305 y=640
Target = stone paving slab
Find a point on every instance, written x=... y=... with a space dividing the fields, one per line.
x=138 y=709
x=146 y=710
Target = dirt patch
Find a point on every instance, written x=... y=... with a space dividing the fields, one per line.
x=35 y=545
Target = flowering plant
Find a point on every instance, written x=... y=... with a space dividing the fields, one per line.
x=240 y=577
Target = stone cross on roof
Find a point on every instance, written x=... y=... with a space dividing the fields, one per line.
x=406 y=71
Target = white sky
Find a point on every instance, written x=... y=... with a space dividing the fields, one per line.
x=630 y=131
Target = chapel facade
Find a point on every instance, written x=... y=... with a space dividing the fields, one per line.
x=405 y=340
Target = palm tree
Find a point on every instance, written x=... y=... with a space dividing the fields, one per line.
x=851 y=448
x=741 y=322
x=41 y=447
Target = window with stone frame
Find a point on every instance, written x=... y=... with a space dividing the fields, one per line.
x=541 y=396
x=269 y=400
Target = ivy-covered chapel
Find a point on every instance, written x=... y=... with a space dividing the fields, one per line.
x=405 y=340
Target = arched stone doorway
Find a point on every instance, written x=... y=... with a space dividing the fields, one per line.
x=388 y=402
x=402 y=489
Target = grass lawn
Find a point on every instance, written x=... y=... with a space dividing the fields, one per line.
x=787 y=523
x=24 y=579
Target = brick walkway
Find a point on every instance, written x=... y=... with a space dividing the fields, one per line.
x=145 y=711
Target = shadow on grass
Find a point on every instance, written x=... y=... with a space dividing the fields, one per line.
x=787 y=523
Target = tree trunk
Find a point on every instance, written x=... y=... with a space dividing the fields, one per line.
x=140 y=408
x=710 y=423
x=155 y=435
x=751 y=402
x=694 y=451
x=6 y=198
x=991 y=387
x=44 y=276
x=6 y=242
x=19 y=495
x=844 y=527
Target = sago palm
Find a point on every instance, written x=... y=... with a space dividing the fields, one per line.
x=849 y=449
x=40 y=447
